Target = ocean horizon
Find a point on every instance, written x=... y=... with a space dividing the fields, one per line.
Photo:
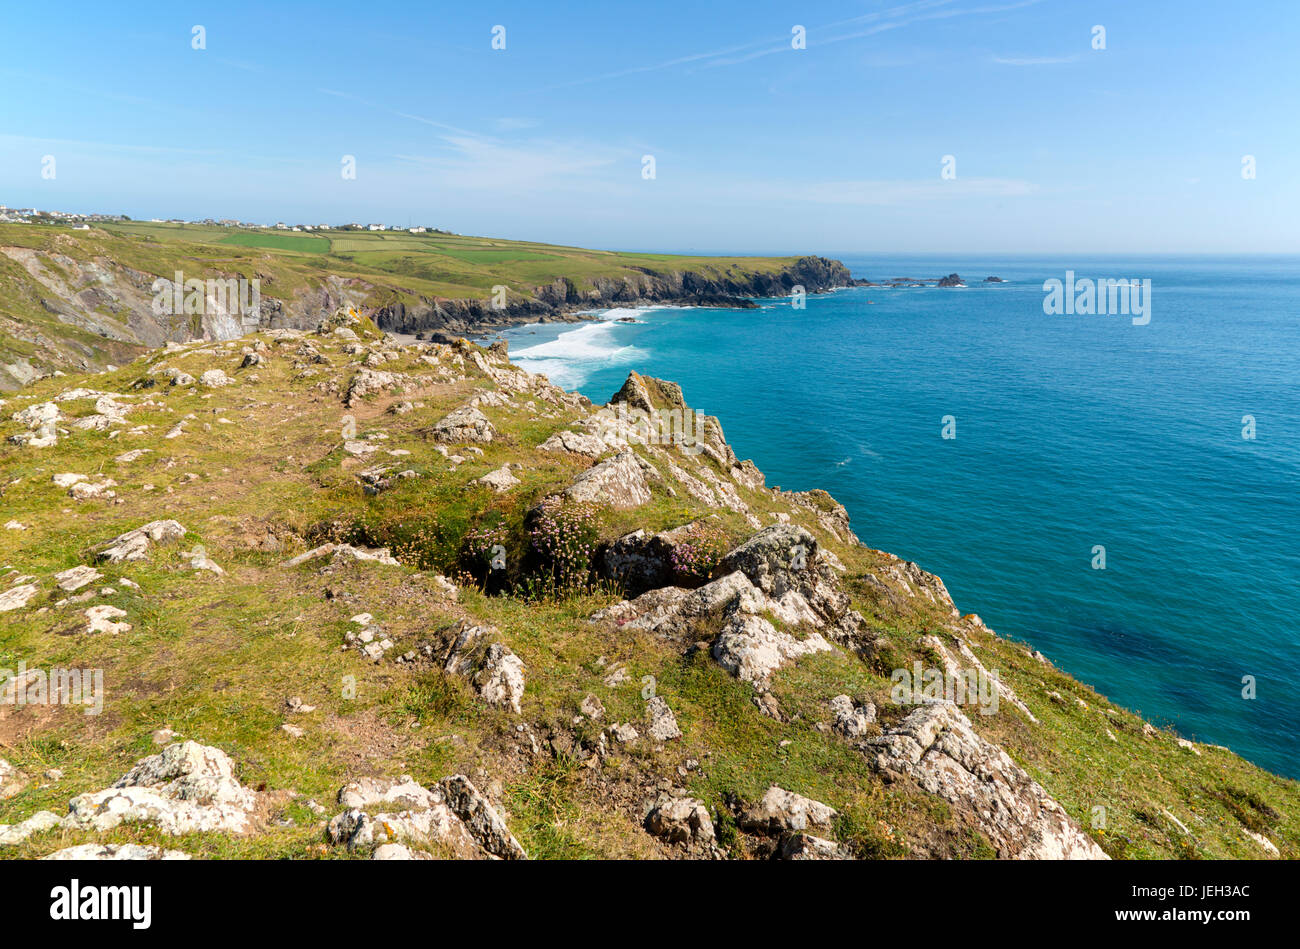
x=1118 y=494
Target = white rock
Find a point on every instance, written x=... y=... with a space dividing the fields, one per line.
x=344 y=552
x=619 y=482
x=781 y=811
x=187 y=788
x=465 y=424
x=116 y=852
x=74 y=578
x=215 y=378
x=663 y=724
x=936 y=745
x=680 y=820
x=101 y=618
x=575 y=442
x=1269 y=847
x=17 y=597
x=90 y=491
x=500 y=480
x=752 y=649
x=403 y=792
x=11 y=780
x=851 y=721
x=133 y=545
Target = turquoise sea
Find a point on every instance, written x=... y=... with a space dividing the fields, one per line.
x=1071 y=432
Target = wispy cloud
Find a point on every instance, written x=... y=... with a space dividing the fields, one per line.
x=477 y=163
x=895 y=192
x=839 y=31
x=400 y=114
x=509 y=123
x=1035 y=60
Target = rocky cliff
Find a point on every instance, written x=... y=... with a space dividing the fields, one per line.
x=351 y=597
x=83 y=302
x=563 y=298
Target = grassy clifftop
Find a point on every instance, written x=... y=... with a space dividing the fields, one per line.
x=74 y=300
x=526 y=637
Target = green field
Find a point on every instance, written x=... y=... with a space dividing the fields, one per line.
x=75 y=300
x=278 y=241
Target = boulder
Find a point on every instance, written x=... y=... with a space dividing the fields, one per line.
x=74 y=578
x=480 y=818
x=619 y=482
x=785 y=562
x=135 y=544
x=499 y=480
x=102 y=619
x=495 y=672
x=17 y=597
x=399 y=852
x=465 y=424
x=638 y=561
x=452 y=814
x=215 y=378
x=808 y=847
x=851 y=721
x=11 y=780
x=936 y=746
x=680 y=820
x=90 y=491
x=662 y=721
x=404 y=792
x=751 y=648
x=577 y=443
x=344 y=553
x=358 y=830
x=367 y=382
x=187 y=788
x=781 y=811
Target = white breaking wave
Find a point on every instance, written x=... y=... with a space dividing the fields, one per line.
x=571 y=357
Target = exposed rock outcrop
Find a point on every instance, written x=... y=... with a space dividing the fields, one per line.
x=187 y=788
x=619 y=482
x=135 y=544
x=936 y=746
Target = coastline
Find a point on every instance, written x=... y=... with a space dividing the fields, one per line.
x=564 y=301
x=1103 y=627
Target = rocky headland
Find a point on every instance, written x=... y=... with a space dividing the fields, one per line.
x=355 y=597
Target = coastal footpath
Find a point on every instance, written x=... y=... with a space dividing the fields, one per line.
x=331 y=594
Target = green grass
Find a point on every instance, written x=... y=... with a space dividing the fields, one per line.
x=215 y=658
x=278 y=241
x=384 y=268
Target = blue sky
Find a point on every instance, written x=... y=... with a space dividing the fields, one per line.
x=758 y=147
